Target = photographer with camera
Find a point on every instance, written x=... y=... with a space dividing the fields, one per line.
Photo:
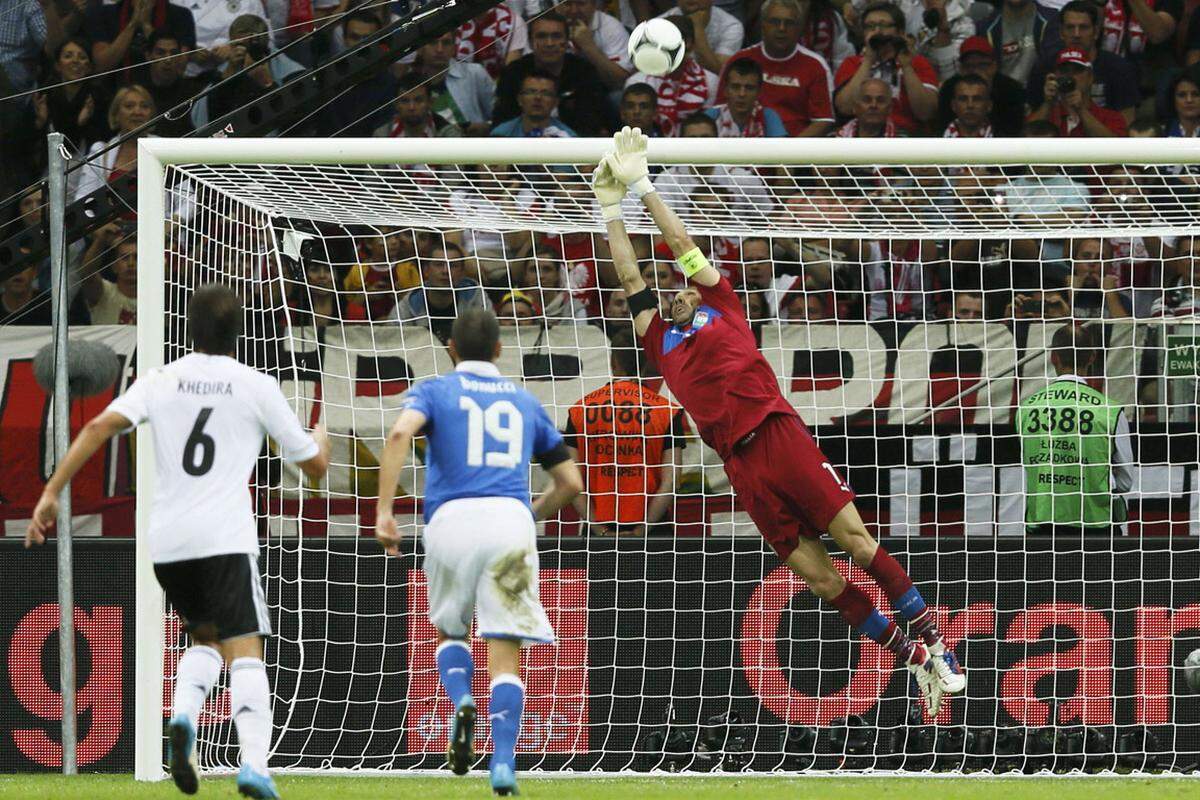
x=1068 y=103
x=888 y=55
x=249 y=43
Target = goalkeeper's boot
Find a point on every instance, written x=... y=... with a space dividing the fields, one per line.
x=461 y=752
x=255 y=784
x=921 y=665
x=504 y=780
x=950 y=674
x=181 y=754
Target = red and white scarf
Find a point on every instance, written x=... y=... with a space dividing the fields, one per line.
x=952 y=132
x=1122 y=30
x=679 y=94
x=820 y=35
x=484 y=39
x=850 y=130
x=755 y=126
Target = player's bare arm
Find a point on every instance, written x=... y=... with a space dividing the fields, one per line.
x=628 y=165
x=609 y=192
x=95 y=433
x=395 y=453
x=565 y=485
x=318 y=465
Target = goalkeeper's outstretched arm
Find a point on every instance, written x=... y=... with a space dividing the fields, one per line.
x=628 y=165
x=609 y=191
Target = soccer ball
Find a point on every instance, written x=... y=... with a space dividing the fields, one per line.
x=656 y=47
x=1191 y=671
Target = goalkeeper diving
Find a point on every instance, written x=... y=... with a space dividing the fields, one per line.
x=708 y=357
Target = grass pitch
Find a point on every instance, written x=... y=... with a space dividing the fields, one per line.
x=120 y=787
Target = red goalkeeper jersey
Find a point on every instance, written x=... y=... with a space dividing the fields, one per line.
x=715 y=370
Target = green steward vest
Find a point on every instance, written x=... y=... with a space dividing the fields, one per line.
x=1066 y=445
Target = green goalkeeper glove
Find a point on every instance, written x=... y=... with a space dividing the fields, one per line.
x=628 y=163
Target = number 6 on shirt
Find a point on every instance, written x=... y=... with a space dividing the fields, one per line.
x=503 y=422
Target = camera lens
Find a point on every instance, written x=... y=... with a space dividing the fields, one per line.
x=1066 y=84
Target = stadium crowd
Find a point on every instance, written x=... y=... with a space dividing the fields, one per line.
x=96 y=70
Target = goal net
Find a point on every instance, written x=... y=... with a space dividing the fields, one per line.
x=907 y=293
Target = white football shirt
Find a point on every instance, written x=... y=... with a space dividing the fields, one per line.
x=208 y=415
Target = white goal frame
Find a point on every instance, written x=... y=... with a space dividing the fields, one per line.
x=156 y=154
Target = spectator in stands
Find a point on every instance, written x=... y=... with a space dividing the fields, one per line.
x=742 y=114
x=121 y=31
x=972 y=107
x=317 y=303
x=516 y=308
x=23 y=35
x=968 y=306
x=550 y=291
x=937 y=29
x=887 y=56
x=736 y=189
x=1114 y=82
x=1191 y=41
x=536 y=99
x=445 y=291
x=873 y=116
x=367 y=104
x=387 y=266
x=978 y=58
x=756 y=309
x=131 y=107
x=1145 y=129
x=1181 y=291
x=1132 y=28
x=616 y=314
x=414 y=118
x=461 y=93
x=758 y=273
x=1015 y=32
x=212 y=21
x=112 y=302
x=1094 y=289
x=484 y=191
x=629 y=440
x=164 y=78
x=804 y=305
x=1047 y=192
x=1183 y=103
x=1074 y=111
x=823 y=31
x=249 y=44
x=18 y=304
x=494 y=39
x=639 y=109
x=600 y=38
x=581 y=96
x=1040 y=304
x=717 y=34
x=683 y=92
x=795 y=80
x=74 y=106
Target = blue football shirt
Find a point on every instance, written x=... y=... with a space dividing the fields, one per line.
x=483 y=430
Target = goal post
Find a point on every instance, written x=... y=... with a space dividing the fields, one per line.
x=869 y=242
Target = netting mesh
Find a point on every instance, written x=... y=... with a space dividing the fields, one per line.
x=907 y=312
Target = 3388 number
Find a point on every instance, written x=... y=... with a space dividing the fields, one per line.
x=1064 y=420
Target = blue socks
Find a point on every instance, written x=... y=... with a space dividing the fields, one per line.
x=504 y=712
x=456 y=669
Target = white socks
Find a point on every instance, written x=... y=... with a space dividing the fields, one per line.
x=251 y=696
x=198 y=670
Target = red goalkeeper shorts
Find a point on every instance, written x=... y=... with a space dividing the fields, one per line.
x=785 y=483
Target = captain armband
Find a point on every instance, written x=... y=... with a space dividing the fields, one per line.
x=692 y=262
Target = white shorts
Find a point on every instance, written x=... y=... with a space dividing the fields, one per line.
x=481 y=559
